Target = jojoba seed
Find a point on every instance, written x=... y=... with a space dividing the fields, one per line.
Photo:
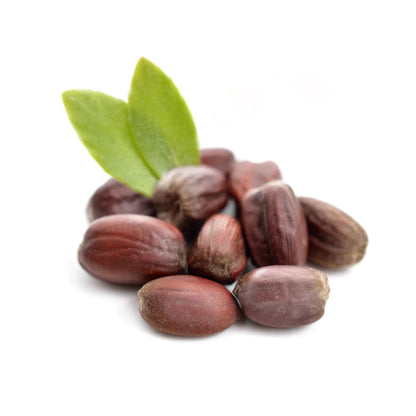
x=274 y=225
x=219 y=252
x=219 y=158
x=335 y=239
x=187 y=305
x=247 y=175
x=116 y=198
x=132 y=249
x=283 y=296
x=190 y=194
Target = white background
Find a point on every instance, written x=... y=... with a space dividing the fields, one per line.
x=324 y=88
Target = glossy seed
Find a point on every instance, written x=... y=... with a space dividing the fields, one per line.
x=132 y=249
x=116 y=198
x=187 y=305
x=188 y=195
x=274 y=225
x=283 y=296
x=246 y=175
x=219 y=252
x=219 y=158
x=335 y=239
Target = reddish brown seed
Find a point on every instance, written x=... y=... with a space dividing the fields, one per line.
x=187 y=305
x=116 y=198
x=132 y=249
x=219 y=252
x=219 y=158
x=190 y=194
x=283 y=296
x=247 y=175
x=335 y=239
x=274 y=225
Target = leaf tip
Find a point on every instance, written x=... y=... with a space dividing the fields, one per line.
x=67 y=99
x=66 y=96
x=69 y=96
x=145 y=64
x=144 y=61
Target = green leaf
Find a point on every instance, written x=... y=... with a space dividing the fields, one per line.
x=101 y=122
x=162 y=125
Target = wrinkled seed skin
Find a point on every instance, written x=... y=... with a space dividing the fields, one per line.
x=116 y=198
x=219 y=251
x=246 y=175
x=190 y=194
x=132 y=249
x=283 y=296
x=219 y=158
x=335 y=239
x=187 y=305
x=274 y=225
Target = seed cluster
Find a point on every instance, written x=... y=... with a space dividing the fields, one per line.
x=181 y=250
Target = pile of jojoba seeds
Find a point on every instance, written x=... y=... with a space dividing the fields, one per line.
x=181 y=250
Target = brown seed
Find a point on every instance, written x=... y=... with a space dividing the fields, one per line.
x=283 y=296
x=247 y=175
x=187 y=305
x=116 y=198
x=274 y=225
x=219 y=252
x=190 y=194
x=219 y=158
x=335 y=239
x=132 y=249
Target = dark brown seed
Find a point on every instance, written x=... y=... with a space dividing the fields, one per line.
x=335 y=239
x=219 y=158
x=219 y=252
x=188 y=195
x=187 y=305
x=274 y=225
x=283 y=296
x=247 y=175
x=116 y=198
x=132 y=249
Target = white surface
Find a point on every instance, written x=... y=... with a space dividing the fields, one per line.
x=326 y=89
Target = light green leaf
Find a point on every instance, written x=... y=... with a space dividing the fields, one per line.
x=101 y=122
x=162 y=125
